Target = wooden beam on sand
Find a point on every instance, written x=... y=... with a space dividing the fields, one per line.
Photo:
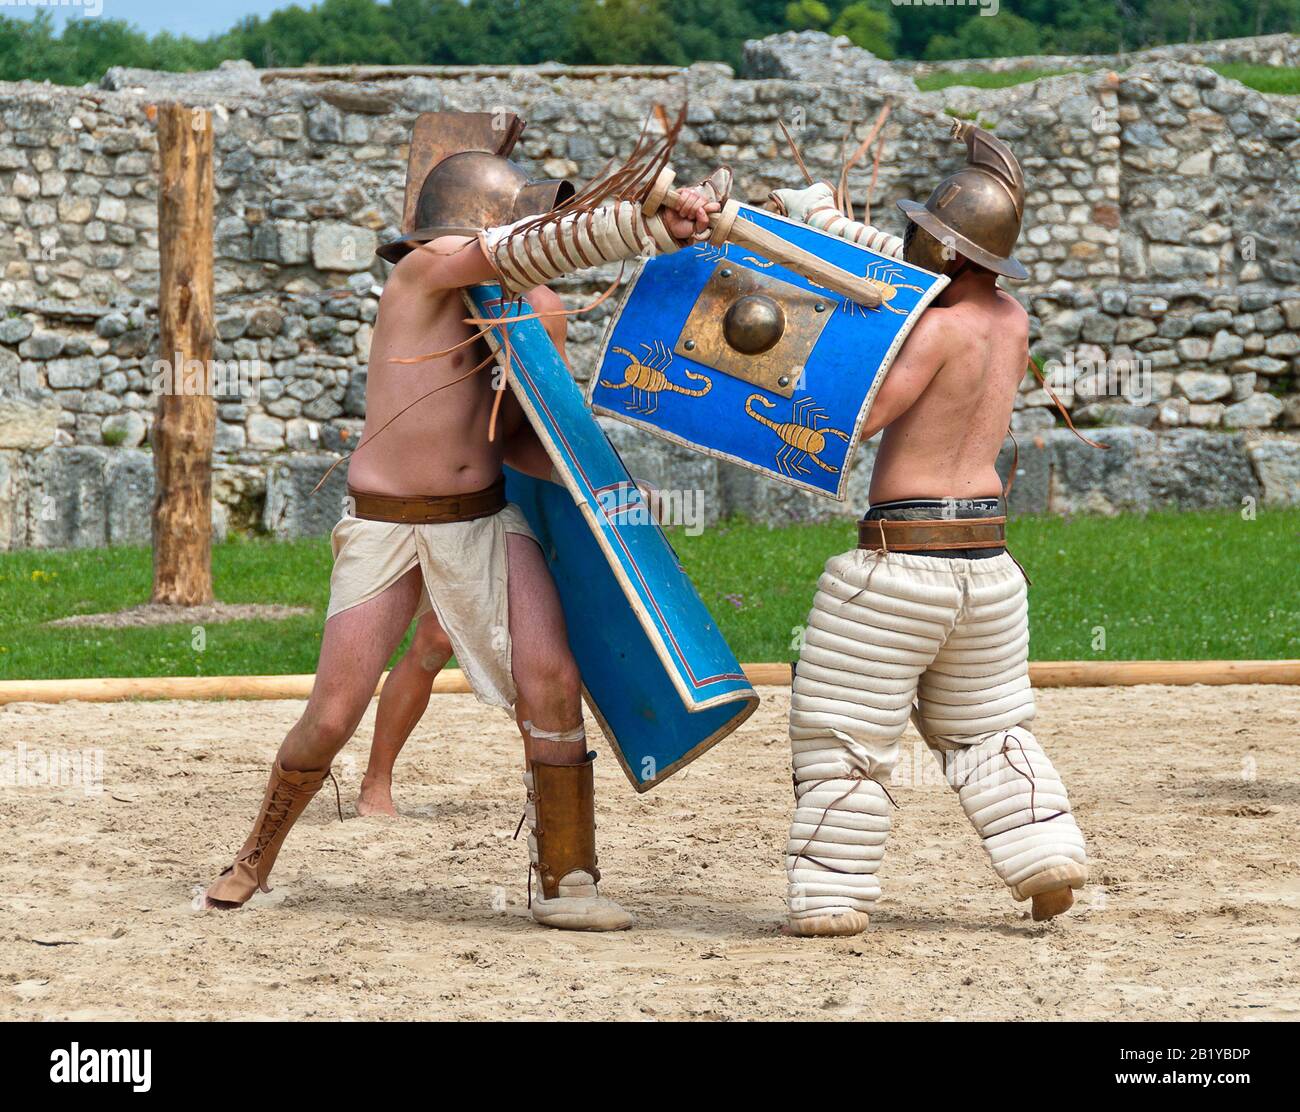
x=1128 y=673
x=1046 y=673
x=1113 y=673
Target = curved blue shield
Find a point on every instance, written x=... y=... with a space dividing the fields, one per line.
x=657 y=673
x=738 y=357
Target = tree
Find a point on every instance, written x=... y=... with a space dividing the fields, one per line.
x=716 y=30
x=807 y=15
x=523 y=32
x=919 y=23
x=675 y=32
x=1004 y=35
x=630 y=32
x=869 y=26
x=439 y=32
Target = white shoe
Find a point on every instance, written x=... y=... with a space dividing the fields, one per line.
x=833 y=924
x=579 y=907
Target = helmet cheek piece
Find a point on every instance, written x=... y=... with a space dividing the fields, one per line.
x=921 y=249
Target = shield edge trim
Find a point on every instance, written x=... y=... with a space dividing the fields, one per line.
x=850 y=453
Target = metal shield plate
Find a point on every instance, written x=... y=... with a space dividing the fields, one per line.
x=657 y=674
x=735 y=356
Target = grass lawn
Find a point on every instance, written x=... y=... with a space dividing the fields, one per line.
x=1264 y=79
x=977 y=80
x=1161 y=586
x=1165 y=586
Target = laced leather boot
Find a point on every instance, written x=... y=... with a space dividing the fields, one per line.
x=287 y=796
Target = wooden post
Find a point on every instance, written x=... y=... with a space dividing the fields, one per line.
x=185 y=420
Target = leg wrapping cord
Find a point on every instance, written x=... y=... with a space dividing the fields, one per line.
x=836 y=843
x=974 y=705
x=1015 y=800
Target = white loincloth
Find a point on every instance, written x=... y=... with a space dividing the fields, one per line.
x=464 y=568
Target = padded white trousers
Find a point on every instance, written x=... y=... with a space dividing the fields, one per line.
x=893 y=635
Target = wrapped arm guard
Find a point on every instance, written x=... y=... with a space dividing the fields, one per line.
x=533 y=252
x=815 y=206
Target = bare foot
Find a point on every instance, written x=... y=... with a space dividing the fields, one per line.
x=376 y=798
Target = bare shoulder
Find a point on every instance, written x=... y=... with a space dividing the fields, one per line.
x=932 y=331
x=935 y=323
x=415 y=266
x=1011 y=313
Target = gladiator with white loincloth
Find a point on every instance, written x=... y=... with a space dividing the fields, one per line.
x=428 y=533
x=927 y=617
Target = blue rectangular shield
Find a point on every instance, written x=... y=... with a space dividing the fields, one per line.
x=657 y=674
x=738 y=357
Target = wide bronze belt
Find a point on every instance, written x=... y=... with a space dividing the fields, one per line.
x=429 y=509
x=930 y=536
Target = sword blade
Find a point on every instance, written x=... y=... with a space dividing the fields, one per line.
x=744 y=233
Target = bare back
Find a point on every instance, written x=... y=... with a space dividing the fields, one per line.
x=947 y=401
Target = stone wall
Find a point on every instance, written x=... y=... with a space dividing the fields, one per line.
x=1264 y=50
x=1162 y=227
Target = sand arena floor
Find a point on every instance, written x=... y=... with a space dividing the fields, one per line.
x=1190 y=799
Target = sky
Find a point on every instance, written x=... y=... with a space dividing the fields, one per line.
x=198 y=18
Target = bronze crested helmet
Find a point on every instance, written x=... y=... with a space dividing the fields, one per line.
x=975 y=213
x=473 y=190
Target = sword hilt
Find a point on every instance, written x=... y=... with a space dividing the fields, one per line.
x=662 y=193
x=725 y=228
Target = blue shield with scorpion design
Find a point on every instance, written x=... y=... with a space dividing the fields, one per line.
x=740 y=358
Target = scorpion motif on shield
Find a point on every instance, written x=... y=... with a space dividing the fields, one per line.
x=709 y=253
x=646 y=379
x=883 y=276
x=802 y=438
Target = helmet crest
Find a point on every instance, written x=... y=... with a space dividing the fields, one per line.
x=975 y=213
